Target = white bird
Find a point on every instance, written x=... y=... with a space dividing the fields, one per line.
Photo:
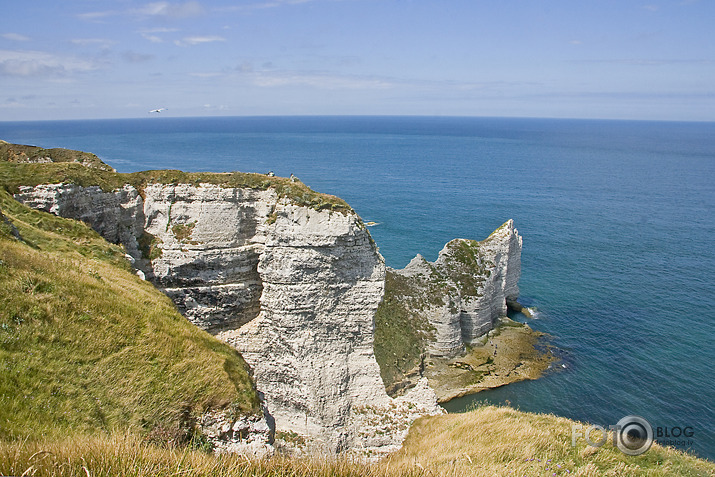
x=157 y=110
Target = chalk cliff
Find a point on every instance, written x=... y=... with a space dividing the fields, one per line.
x=292 y=282
x=467 y=288
x=293 y=288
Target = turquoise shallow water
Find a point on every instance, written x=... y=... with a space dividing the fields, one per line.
x=618 y=220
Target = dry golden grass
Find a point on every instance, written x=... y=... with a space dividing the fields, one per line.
x=502 y=441
x=490 y=441
x=126 y=455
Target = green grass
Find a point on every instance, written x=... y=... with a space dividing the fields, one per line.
x=66 y=170
x=19 y=153
x=86 y=346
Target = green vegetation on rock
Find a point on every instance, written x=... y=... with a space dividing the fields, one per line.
x=88 y=347
x=401 y=333
x=183 y=232
x=465 y=266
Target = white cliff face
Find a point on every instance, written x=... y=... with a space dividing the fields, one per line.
x=116 y=215
x=293 y=289
x=472 y=281
x=210 y=239
x=311 y=346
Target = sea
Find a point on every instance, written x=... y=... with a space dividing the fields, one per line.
x=617 y=219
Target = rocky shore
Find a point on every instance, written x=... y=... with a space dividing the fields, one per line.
x=508 y=354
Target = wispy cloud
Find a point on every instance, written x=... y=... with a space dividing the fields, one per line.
x=95 y=16
x=170 y=10
x=151 y=10
x=15 y=37
x=197 y=40
x=263 y=4
x=321 y=81
x=100 y=42
x=39 y=63
x=206 y=75
x=649 y=62
x=267 y=77
x=623 y=95
x=216 y=107
x=152 y=34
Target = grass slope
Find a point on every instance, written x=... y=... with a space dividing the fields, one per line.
x=490 y=441
x=503 y=441
x=87 y=346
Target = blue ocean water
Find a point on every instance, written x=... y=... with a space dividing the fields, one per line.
x=618 y=220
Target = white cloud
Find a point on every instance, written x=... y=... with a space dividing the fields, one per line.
x=101 y=42
x=151 y=34
x=159 y=30
x=94 y=16
x=197 y=40
x=262 y=5
x=321 y=81
x=216 y=107
x=206 y=75
x=650 y=62
x=151 y=10
x=15 y=37
x=171 y=10
x=153 y=38
x=39 y=63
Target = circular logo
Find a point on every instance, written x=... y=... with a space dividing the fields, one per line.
x=634 y=435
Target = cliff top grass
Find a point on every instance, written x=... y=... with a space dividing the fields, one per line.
x=19 y=166
x=19 y=153
x=489 y=441
x=494 y=440
x=88 y=347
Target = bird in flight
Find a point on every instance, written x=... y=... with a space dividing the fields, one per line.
x=157 y=110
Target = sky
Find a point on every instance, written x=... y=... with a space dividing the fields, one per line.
x=611 y=59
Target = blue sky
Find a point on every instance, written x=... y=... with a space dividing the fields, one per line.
x=650 y=59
